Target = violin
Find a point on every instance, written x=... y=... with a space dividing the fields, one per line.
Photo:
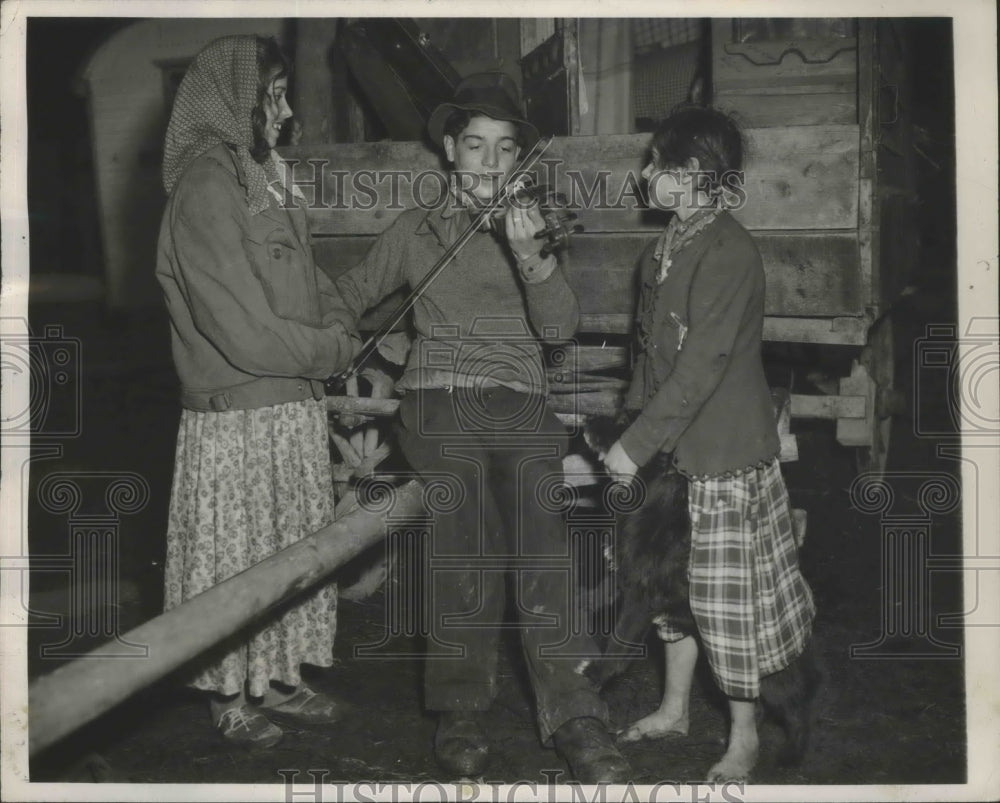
x=553 y=207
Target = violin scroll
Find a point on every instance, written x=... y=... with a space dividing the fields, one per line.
x=556 y=230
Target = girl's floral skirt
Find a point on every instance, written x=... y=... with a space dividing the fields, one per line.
x=248 y=483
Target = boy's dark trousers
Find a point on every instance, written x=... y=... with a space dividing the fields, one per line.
x=502 y=451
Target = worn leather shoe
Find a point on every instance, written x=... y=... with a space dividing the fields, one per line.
x=306 y=708
x=585 y=744
x=460 y=744
x=244 y=725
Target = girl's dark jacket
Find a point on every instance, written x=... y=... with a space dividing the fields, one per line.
x=699 y=381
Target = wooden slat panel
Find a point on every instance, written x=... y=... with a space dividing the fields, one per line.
x=845 y=331
x=602 y=266
x=776 y=110
x=828 y=407
x=799 y=267
x=353 y=188
x=807 y=274
x=592 y=358
x=800 y=177
x=811 y=274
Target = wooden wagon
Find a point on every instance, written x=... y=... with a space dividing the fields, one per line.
x=829 y=202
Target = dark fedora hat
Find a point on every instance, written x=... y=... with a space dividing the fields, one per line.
x=493 y=94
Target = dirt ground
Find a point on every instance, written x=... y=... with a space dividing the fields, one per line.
x=898 y=719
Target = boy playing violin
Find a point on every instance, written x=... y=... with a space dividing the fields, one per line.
x=473 y=411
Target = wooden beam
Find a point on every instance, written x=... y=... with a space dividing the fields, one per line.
x=808 y=274
x=534 y=31
x=798 y=178
x=606 y=402
x=314 y=80
x=598 y=402
x=828 y=407
x=577 y=358
x=846 y=331
x=82 y=690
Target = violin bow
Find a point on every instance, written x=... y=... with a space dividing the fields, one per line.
x=515 y=177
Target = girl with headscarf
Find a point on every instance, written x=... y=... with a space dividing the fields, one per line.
x=255 y=328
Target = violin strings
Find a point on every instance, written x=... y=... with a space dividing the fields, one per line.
x=519 y=171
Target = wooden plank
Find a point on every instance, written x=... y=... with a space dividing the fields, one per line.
x=80 y=691
x=776 y=110
x=575 y=357
x=360 y=188
x=828 y=407
x=571 y=63
x=601 y=402
x=534 y=31
x=781 y=399
x=810 y=273
x=897 y=171
x=736 y=73
x=800 y=177
x=606 y=401
x=868 y=211
x=807 y=274
x=316 y=112
x=846 y=331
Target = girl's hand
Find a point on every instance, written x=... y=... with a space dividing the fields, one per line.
x=521 y=225
x=619 y=464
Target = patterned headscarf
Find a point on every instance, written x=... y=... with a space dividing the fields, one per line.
x=213 y=105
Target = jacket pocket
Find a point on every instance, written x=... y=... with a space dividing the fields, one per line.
x=286 y=275
x=668 y=334
x=680 y=326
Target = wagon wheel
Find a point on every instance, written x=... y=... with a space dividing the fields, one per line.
x=878 y=360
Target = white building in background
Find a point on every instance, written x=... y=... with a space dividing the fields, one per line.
x=129 y=83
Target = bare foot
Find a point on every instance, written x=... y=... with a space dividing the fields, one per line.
x=737 y=763
x=655 y=726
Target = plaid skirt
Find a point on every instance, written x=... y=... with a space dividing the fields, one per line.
x=751 y=605
x=248 y=483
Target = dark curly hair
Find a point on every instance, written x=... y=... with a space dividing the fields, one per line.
x=709 y=135
x=271 y=64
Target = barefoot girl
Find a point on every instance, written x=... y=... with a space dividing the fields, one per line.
x=699 y=392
